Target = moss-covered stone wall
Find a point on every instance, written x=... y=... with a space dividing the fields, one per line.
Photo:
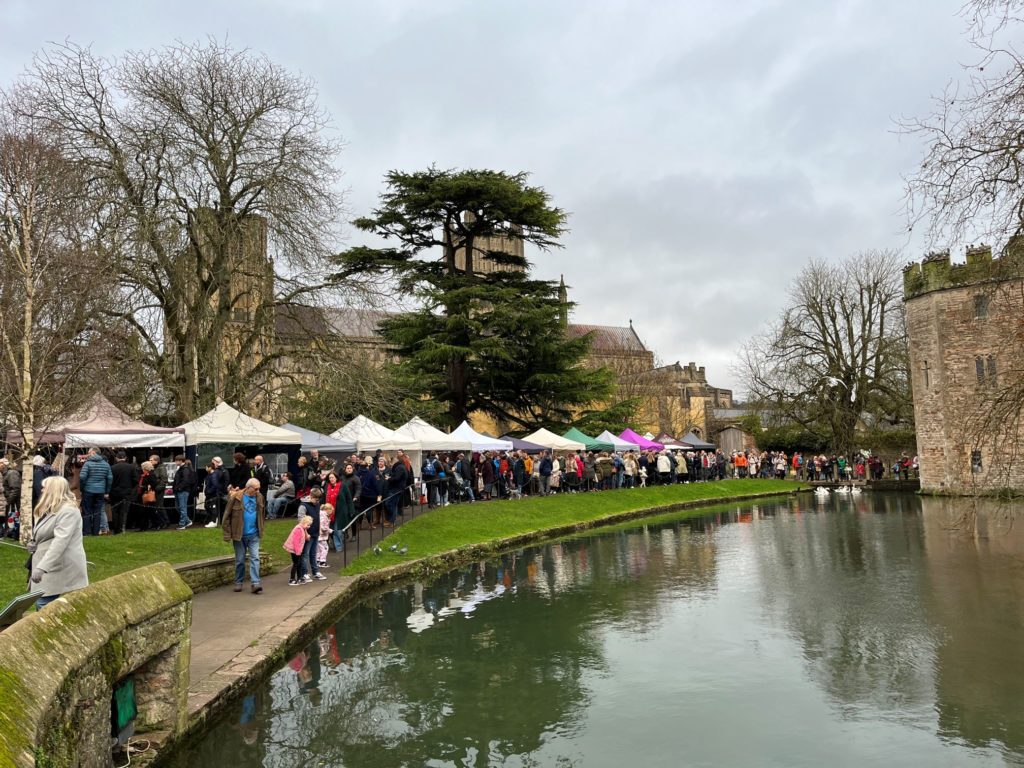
x=60 y=665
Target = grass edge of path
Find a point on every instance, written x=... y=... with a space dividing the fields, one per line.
x=445 y=536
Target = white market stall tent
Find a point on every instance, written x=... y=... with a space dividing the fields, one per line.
x=618 y=443
x=225 y=424
x=480 y=442
x=370 y=436
x=549 y=439
x=102 y=424
x=431 y=438
x=313 y=440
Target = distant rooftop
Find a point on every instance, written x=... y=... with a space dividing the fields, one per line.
x=608 y=338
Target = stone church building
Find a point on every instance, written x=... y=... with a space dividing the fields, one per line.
x=673 y=398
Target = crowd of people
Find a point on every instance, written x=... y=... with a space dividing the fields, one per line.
x=821 y=467
x=132 y=492
x=333 y=500
x=383 y=485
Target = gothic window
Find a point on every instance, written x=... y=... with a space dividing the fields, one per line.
x=980 y=306
x=927 y=378
x=976 y=466
x=985 y=369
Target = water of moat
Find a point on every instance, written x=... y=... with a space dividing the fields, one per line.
x=878 y=630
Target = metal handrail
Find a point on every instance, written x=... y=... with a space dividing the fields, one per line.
x=363 y=513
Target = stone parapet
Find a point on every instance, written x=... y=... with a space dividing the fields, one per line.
x=935 y=272
x=61 y=664
x=213 y=572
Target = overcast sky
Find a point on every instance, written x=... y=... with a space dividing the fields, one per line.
x=705 y=155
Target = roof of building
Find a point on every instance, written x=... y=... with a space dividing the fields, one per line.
x=608 y=338
x=300 y=320
x=356 y=322
x=730 y=413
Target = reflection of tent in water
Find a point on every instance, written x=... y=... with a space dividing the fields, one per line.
x=420 y=618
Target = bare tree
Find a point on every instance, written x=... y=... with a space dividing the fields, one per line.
x=53 y=346
x=969 y=183
x=838 y=354
x=661 y=397
x=220 y=204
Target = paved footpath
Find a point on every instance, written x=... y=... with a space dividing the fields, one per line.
x=232 y=632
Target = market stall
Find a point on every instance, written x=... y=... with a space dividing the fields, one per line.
x=480 y=442
x=549 y=439
x=589 y=442
x=632 y=437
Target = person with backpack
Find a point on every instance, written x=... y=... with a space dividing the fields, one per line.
x=429 y=473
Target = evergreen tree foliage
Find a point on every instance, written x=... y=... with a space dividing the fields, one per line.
x=480 y=341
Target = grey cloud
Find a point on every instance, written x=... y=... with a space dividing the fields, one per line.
x=705 y=149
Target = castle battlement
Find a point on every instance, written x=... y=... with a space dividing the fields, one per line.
x=935 y=272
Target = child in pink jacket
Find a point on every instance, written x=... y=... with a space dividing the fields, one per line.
x=294 y=545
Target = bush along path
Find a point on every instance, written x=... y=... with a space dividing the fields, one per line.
x=493 y=524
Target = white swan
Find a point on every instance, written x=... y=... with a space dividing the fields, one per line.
x=842 y=489
x=821 y=491
x=855 y=490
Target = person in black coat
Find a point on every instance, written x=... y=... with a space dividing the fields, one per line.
x=183 y=485
x=126 y=478
x=397 y=482
x=262 y=473
x=239 y=474
x=215 y=487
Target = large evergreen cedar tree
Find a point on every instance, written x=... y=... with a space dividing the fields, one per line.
x=489 y=342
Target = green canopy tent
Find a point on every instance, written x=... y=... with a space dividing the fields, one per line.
x=590 y=443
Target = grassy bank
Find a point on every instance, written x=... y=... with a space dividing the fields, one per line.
x=482 y=524
x=110 y=555
x=439 y=531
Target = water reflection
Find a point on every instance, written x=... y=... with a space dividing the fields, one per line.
x=843 y=631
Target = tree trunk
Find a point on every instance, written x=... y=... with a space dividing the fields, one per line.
x=27 y=406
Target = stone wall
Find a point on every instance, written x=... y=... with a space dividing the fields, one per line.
x=60 y=666
x=204 y=575
x=964 y=328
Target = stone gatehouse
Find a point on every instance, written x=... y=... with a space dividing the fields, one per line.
x=965 y=324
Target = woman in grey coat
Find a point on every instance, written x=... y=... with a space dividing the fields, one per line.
x=58 y=559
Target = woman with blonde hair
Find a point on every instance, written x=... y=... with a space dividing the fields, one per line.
x=58 y=557
x=148 y=498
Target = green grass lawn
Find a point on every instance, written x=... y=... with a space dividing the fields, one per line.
x=439 y=531
x=110 y=555
x=468 y=524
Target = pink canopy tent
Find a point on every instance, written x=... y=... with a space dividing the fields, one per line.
x=648 y=445
x=100 y=423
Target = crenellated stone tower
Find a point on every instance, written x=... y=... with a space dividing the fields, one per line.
x=965 y=324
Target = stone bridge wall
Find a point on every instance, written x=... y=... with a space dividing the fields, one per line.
x=59 y=666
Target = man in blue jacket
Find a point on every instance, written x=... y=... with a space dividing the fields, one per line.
x=94 y=482
x=544 y=470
